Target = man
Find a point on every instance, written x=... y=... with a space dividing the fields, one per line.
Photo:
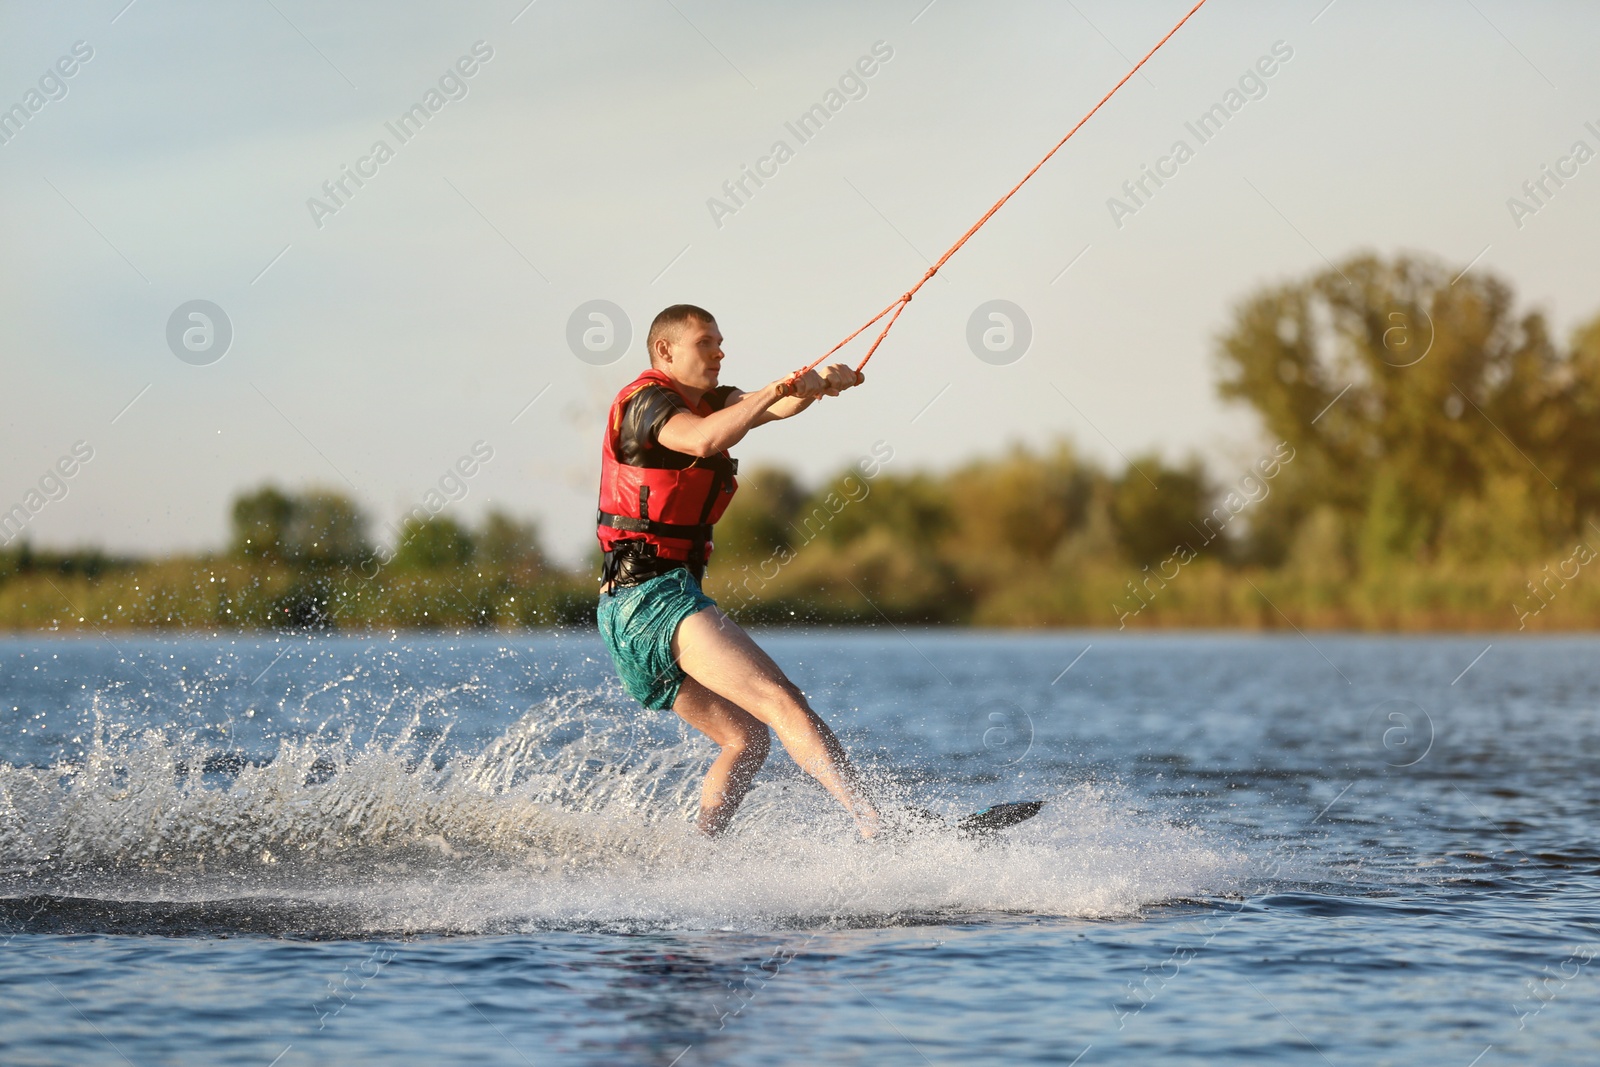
x=666 y=477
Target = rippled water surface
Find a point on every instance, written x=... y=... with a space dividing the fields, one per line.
x=289 y=850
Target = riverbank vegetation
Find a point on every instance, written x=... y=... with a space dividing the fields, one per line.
x=1427 y=460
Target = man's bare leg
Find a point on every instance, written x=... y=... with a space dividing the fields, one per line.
x=744 y=740
x=716 y=652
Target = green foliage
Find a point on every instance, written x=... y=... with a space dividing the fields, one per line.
x=1156 y=508
x=1020 y=506
x=432 y=544
x=1321 y=551
x=913 y=510
x=260 y=524
x=1393 y=527
x=757 y=523
x=326 y=528
x=1429 y=452
x=1406 y=390
x=312 y=528
x=1503 y=523
x=88 y=562
x=510 y=543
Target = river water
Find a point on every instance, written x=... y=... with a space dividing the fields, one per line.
x=289 y=850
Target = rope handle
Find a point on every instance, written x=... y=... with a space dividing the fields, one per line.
x=790 y=386
x=900 y=305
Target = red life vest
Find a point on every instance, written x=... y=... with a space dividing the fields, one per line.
x=672 y=510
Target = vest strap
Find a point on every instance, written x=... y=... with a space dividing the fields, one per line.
x=626 y=523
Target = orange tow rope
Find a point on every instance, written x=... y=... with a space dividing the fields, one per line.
x=900 y=305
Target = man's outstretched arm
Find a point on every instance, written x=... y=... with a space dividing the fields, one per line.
x=835 y=380
x=707 y=435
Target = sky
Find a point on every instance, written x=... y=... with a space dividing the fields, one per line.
x=376 y=335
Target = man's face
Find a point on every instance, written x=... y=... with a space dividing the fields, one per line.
x=696 y=354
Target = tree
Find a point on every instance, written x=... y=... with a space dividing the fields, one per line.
x=311 y=528
x=914 y=509
x=431 y=544
x=325 y=529
x=1571 y=420
x=510 y=543
x=1019 y=507
x=260 y=520
x=756 y=524
x=1404 y=386
x=1156 y=508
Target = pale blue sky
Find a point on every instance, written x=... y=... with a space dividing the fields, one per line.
x=374 y=351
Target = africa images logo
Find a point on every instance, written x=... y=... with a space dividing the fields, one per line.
x=52 y=86
x=199 y=332
x=452 y=85
x=1252 y=85
x=852 y=85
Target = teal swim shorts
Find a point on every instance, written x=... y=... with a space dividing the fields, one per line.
x=638 y=623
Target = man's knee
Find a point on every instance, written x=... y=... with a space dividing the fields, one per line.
x=752 y=744
x=780 y=694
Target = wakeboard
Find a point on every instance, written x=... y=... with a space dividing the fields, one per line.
x=998 y=817
x=982 y=823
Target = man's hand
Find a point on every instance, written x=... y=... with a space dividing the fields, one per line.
x=807 y=386
x=811 y=385
x=707 y=435
x=839 y=377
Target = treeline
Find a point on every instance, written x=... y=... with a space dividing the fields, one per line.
x=306 y=561
x=1430 y=458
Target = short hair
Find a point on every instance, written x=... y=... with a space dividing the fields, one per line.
x=671 y=318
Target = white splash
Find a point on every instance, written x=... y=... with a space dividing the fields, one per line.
x=577 y=815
